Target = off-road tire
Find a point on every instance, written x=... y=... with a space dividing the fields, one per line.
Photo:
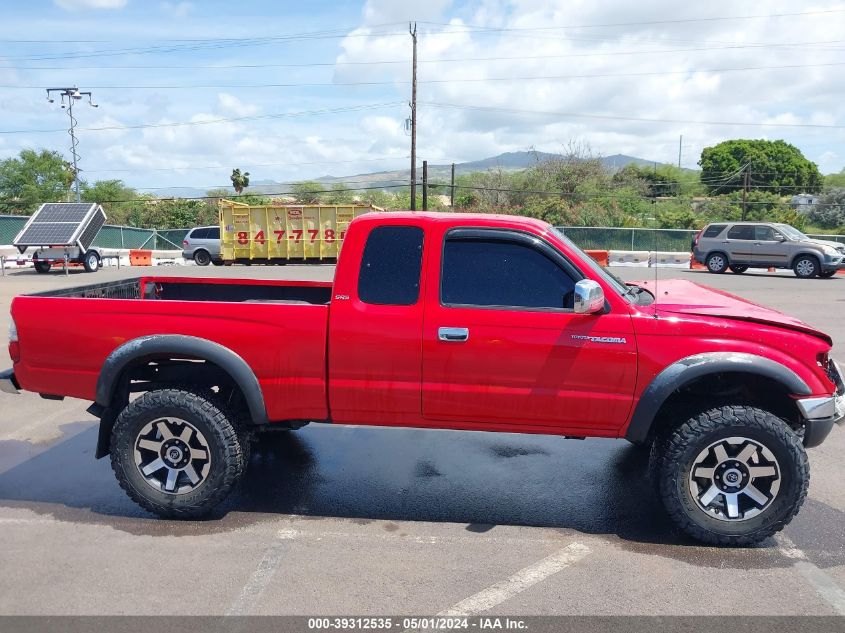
x=806 y=266
x=202 y=258
x=717 y=263
x=228 y=458
x=827 y=274
x=676 y=455
x=42 y=267
x=737 y=269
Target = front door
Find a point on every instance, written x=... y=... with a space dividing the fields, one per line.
x=770 y=249
x=504 y=350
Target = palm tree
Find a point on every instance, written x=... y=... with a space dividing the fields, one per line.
x=240 y=181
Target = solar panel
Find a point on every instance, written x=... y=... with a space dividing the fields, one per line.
x=62 y=224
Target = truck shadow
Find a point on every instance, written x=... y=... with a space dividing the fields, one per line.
x=368 y=475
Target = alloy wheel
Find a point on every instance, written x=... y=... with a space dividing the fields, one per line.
x=734 y=479
x=172 y=455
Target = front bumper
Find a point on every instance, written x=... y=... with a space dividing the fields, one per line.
x=8 y=382
x=835 y=262
x=820 y=414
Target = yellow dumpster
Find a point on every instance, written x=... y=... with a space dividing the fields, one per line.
x=283 y=233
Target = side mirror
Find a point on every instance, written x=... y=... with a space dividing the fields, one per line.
x=589 y=297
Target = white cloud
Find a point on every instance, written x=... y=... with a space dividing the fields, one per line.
x=177 y=9
x=230 y=104
x=74 y=5
x=647 y=69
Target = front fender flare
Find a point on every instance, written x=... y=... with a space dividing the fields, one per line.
x=684 y=371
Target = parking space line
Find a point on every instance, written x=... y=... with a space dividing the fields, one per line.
x=518 y=582
x=824 y=585
x=260 y=579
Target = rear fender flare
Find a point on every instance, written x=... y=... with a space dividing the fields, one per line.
x=177 y=345
x=686 y=370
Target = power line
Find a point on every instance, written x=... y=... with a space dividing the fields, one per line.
x=256 y=117
x=446 y=81
x=627 y=118
x=251 y=165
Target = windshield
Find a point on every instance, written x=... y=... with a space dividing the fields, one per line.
x=617 y=284
x=790 y=232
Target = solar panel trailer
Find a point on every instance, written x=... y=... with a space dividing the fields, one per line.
x=63 y=232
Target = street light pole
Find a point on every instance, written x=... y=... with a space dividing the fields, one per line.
x=72 y=94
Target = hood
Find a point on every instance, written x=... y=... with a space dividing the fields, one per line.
x=814 y=242
x=676 y=296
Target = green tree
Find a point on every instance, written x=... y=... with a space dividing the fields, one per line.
x=240 y=181
x=775 y=166
x=835 y=180
x=34 y=177
x=307 y=192
x=829 y=212
x=119 y=201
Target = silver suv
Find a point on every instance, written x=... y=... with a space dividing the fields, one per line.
x=202 y=244
x=743 y=245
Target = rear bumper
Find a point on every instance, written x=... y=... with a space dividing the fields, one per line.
x=188 y=254
x=8 y=382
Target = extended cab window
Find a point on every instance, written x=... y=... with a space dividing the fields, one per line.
x=481 y=272
x=714 y=229
x=390 y=267
x=741 y=232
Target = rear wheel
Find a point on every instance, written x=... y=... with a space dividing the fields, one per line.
x=217 y=262
x=806 y=267
x=732 y=475
x=202 y=258
x=738 y=269
x=175 y=453
x=827 y=274
x=42 y=267
x=91 y=262
x=717 y=263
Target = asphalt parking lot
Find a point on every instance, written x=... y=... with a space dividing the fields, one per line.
x=354 y=520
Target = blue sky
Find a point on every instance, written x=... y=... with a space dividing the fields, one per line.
x=232 y=84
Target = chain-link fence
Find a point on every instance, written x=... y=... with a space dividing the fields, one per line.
x=110 y=236
x=587 y=237
x=636 y=239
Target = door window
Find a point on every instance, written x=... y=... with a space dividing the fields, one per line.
x=741 y=232
x=213 y=233
x=500 y=273
x=390 y=266
x=764 y=233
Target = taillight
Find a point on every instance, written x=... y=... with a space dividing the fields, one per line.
x=698 y=236
x=184 y=242
x=14 y=345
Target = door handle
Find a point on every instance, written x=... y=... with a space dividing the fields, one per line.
x=453 y=334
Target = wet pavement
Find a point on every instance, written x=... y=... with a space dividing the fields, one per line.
x=358 y=520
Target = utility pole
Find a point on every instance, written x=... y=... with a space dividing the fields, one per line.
x=425 y=185
x=745 y=183
x=413 y=30
x=72 y=94
x=680 y=145
x=452 y=189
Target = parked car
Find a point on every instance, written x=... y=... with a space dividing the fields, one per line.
x=442 y=321
x=743 y=245
x=202 y=244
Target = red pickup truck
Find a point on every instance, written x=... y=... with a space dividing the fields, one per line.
x=446 y=321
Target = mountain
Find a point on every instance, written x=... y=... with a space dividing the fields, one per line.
x=509 y=161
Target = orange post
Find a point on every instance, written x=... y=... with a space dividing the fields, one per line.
x=140 y=257
x=694 y=265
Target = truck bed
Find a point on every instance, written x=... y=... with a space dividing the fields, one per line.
x=278 y=327
x=192 y=289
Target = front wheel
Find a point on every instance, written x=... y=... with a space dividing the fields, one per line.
x=733 y=475
x=827 y=274
x=806 y=267
x=738 y=270
x=717 y=263
x=176 y=453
